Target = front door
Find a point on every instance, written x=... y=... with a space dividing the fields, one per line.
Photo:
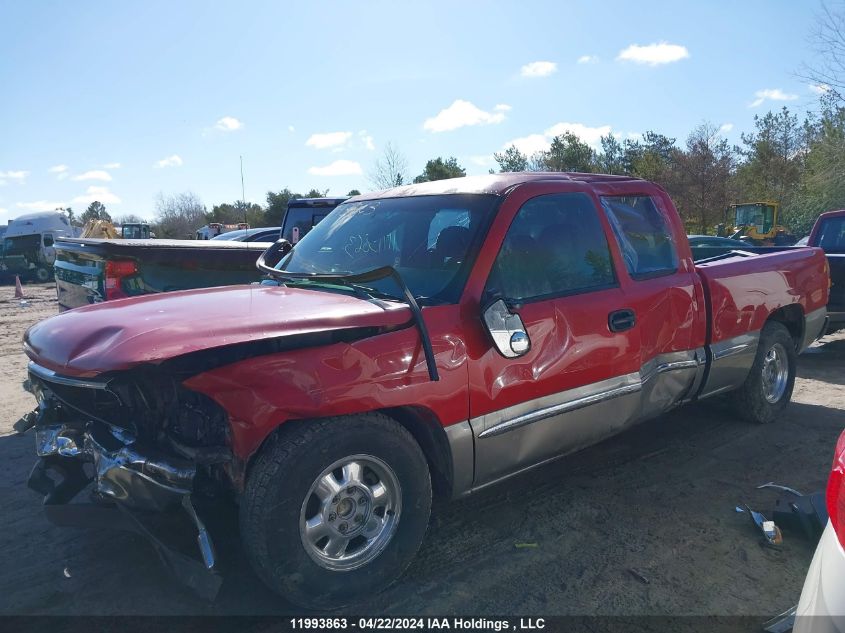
x=49 y=250
x=579 y=381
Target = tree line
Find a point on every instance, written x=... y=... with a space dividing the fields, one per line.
x=794 y=162
x=797 y=163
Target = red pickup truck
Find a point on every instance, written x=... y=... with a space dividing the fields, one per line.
x=438 y=337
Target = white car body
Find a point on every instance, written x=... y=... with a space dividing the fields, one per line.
x=821 y=608
x=822 y=604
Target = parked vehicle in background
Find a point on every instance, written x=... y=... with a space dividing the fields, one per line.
x=213 y=229
x=828 y=234
x=303 y=214
x=821 y=608
x=803 y=241
x=90 y=270
x=434 y=338
x=29 y=244
x=714 y=244
x=265 y=234
x=136 y=231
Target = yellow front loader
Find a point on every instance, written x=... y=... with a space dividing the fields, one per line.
x=757 y=222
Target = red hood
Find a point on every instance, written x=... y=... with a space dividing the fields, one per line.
x=149 y=329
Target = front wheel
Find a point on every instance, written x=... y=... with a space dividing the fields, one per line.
x=768 y=388
x=42 y=275
x=334 y=510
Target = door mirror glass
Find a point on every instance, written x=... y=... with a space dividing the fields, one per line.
x=274 y=254
x=506 y=329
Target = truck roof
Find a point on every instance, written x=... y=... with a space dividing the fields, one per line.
x=316 y=202
x=495 y=184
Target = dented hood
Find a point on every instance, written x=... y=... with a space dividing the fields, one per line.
x=149 y=329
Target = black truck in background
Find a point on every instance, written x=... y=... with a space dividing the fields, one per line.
x=94 y=270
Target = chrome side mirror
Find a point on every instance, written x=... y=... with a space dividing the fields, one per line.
x=506 y=329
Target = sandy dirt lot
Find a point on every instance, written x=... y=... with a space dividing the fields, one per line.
x=563 y=539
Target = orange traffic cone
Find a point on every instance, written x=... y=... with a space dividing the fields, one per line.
x=18 y=288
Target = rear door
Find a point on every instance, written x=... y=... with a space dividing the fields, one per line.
x=662 y=289
x=49 y=251
x=579 y=380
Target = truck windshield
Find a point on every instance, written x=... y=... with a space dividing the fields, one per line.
x=759 y=215
x=431 y=240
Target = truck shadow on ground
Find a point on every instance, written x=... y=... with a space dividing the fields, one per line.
x=824 y=362
x=562 y=538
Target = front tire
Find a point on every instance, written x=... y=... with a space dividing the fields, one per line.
x=768 y=388
x=334 y=510
x=42 y=275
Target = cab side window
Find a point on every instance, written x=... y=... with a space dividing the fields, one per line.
x=643 y=236
x=555 y=246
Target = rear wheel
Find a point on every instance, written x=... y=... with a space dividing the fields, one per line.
x=335 y=510
x=768 y=388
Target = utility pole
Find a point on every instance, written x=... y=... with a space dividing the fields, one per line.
x=243 y=195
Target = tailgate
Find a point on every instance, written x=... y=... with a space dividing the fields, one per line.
x=79 y=276
x=837 y=282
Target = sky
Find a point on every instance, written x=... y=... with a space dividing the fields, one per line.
x=122 y=101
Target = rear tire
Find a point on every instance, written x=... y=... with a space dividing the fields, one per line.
x=42 y=275
x=334 y=510
x=768 y=388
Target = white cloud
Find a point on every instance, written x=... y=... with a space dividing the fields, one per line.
x=291 y=128
x=502 y=107
x=590 y=135
x=101 y=194
x=228 y=124
x=654 y=54
x=328 y=139
x=726 y=127
x=3 y=211
x=588 y=59
x=533 y=143
x=820 y=89
x=40 y=205
x=111 y=166
x=170 y=161
x=96 y=174
x=337 y=168
x=538 y=69
x=529 y=145
x=15 y=176
x=460 y=114
x=771 y=94
x=367 y=140
x=58 y=169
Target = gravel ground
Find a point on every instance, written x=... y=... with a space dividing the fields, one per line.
x=641 y=524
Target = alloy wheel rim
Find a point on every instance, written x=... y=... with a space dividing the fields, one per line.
x=350 y=513
x=775 y=373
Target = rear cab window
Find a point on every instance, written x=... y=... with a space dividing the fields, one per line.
x=643 y=235
x=832 y=235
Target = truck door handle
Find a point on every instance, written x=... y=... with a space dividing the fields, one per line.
x=621 y=320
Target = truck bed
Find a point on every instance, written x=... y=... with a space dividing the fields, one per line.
x=743 y=288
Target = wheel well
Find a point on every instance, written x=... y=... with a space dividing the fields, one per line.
x=421 y=423
x=792 y=317
x=427 y=430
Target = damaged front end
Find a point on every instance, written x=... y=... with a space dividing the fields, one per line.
x=145 y=447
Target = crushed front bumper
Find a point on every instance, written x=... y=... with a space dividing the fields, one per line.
x=129 y=488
